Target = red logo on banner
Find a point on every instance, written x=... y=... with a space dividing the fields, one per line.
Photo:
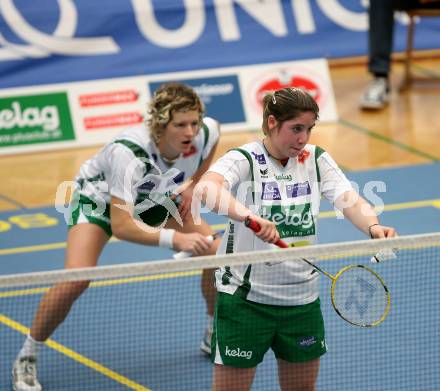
x=304 y=78
x=275 y=83
x=109 y=121
x=108 y=98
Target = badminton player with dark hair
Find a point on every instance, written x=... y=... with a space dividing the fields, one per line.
x=278 y=183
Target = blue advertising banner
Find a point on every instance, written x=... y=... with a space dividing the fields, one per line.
x=56 y=41
x=221 y=96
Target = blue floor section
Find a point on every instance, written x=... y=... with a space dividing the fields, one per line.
x=149 y=332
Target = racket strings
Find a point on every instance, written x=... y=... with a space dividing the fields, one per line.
x=360 y=297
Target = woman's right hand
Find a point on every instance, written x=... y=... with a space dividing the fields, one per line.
x=268 y=231
x=194 y=243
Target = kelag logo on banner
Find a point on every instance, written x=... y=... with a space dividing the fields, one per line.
x=221 y=95
x=35 y=119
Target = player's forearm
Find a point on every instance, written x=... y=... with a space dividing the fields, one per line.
x=126 y=227
x=235 y=209
x=136 y=231
x=212 y=193
x=361 y=214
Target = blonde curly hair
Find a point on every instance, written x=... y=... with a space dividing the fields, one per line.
x=286 y=104
x=167 y=99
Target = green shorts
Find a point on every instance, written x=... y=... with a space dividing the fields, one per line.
x=244 y=331
x=89 y=211
x=85 y=210
x=155 y=215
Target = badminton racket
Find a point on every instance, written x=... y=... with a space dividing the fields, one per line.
x=358 y=294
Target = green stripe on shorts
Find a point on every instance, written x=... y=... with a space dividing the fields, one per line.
x=88 y=209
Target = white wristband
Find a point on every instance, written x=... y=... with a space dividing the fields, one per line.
x=166 y=238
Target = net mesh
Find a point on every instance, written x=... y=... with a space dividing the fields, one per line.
x=139 y=326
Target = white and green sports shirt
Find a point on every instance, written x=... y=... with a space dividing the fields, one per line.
x=131 y=164
x=290 y=197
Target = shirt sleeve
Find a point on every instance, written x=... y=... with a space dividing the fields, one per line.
x=124 y=171
x=213 y=135
x=333 y=181
x=233 y=166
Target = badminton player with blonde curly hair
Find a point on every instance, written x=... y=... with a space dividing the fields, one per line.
x=138 y=188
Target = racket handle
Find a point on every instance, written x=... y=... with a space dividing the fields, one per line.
x=187 y=254
x=384 y=255
x=254 y=226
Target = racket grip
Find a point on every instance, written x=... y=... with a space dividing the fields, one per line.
x=187 y=254
x=384 y=255
x=182 y=254
x=254 y=226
